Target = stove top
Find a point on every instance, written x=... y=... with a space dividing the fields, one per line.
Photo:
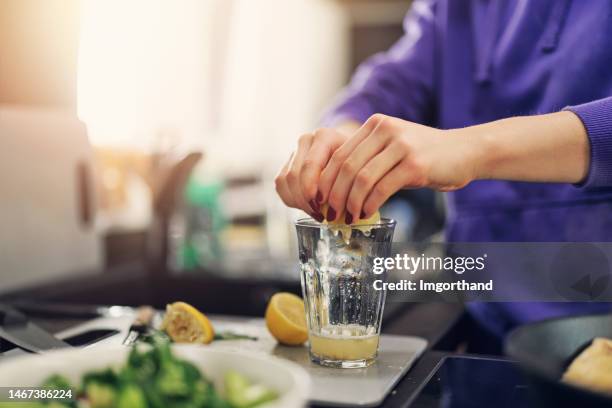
x=474 y=382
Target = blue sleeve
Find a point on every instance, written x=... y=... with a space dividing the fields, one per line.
x=596 y=117
x=398 y=82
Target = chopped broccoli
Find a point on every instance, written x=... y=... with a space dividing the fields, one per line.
x=57 y=382
x=131 y=396
x=100 y=395
x=153 y=377
x=106 y=377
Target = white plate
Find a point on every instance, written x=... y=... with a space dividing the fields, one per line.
x=288 y=379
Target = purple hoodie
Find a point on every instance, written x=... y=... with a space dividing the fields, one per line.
x=465 y=62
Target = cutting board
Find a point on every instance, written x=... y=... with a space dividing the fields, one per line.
x=363 y=387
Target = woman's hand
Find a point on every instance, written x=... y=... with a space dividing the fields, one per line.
x=355 y=175
x=387 y=154
x=297 y=182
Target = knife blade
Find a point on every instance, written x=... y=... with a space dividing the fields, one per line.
x=19 y=330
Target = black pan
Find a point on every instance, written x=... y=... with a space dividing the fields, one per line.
x=545 y=349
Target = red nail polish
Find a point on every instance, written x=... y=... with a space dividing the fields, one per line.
x=319 y=197
x=314 y=205
x=318 y=216
x=348 y=218
x=362 y=215
x=331 y=214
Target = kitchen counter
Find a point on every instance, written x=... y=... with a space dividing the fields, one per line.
x=435 y=322
x=417 y=320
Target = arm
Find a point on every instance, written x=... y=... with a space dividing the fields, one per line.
x=545 y=148
x=573 y=146
x=397 y=83
x=387 y=154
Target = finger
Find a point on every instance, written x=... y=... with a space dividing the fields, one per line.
x=285 y=194
x=293 y=175
x=369 y=148
x=280 y=182
x=367 y=178
x=325 y=142
x=331 y=170
x=383 y=189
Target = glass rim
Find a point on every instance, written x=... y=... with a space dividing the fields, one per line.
x=312 y=223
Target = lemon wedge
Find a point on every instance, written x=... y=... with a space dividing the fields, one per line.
x=338 y=225
x=186 y=324
x=286 y=319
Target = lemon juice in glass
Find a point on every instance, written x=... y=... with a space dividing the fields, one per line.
x=343 y=310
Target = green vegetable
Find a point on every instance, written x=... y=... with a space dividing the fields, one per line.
x=242 y=394
x=100 y=395
x=153 y=377
x=57 y=382
x=131 y=396
x=229 y=335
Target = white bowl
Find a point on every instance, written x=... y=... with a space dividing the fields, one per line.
x=287 y=378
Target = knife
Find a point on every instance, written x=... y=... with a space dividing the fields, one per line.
x=16 y=328
x=140 y=326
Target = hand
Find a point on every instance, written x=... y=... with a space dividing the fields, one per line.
x=296 y=183
x=387 y=154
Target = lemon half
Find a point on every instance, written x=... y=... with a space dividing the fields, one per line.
x=186 y=324
x=286 y=319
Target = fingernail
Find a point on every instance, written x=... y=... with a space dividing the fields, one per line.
x=362 y=215
x=331 y=214
x=314 y=205
x=319 y=197
x=348 y=218
x=318 y=216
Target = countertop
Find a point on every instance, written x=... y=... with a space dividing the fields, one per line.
x=430 y=321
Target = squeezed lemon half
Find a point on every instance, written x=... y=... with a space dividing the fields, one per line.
x=338 y=225
x=186 y=324
x=286 y=319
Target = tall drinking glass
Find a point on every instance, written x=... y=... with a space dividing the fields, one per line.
x=343 y=309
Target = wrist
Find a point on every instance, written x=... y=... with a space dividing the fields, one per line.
x=571 y=124
x=478 y=150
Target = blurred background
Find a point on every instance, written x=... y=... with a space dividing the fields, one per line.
x=139 y=140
